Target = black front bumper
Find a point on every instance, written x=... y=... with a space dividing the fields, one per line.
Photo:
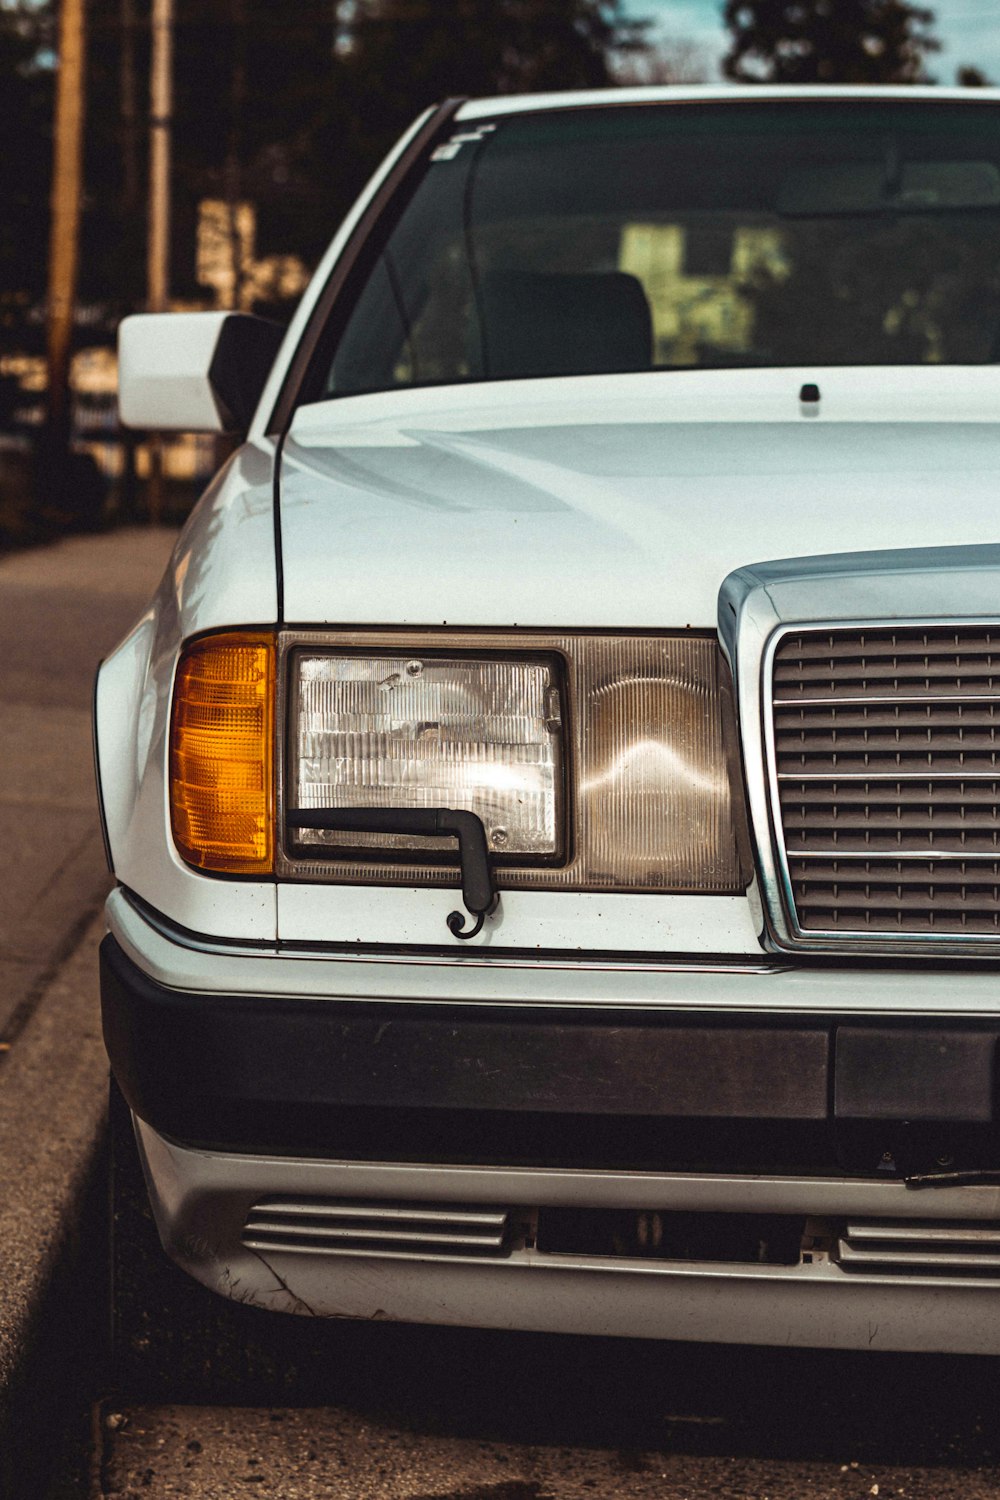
x=462 y=1083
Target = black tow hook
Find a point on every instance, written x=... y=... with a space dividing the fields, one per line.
x=478 y=891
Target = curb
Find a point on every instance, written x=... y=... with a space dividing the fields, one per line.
x=53 y=1107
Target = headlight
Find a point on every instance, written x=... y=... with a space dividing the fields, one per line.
x=222 y=754
x=594 y=762
x=425 y=731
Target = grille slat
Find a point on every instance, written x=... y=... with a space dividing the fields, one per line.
x=971 y=765
x=918 y=740
x=888 y=776
x=870 y=700
x=894 y=793
x=883 y=830
x=887 y=761
x=963 y=643
x=328 y=1208
x=352 y=1235
x=910 y=1233
x=954 y=680
x=858 y=897
x=929 y=859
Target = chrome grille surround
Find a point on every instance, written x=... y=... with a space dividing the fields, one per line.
x=882 y=749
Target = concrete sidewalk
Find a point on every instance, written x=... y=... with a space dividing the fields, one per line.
x=53 y=1102
x=61 y=609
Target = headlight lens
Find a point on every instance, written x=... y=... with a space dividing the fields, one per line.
x=655 y=795
x=222 y=754
x=419 y=730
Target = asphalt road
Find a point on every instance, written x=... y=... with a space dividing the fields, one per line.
x=358 y=1412
x=426 y=1414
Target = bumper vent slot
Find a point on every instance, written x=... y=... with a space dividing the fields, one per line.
x=901 y=1248
x=886 y=758
x=325 y=1226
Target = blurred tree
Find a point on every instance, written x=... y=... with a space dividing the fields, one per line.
x=293 y=108
x=113 y=260
x=969 y=77
x=665 y=61
x=402 y=55
x=260 y=101
x=26 y=100
x=287 y=107
x=828 y=41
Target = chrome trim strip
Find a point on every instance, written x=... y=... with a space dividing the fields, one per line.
x=776 y=986
x=123 y=911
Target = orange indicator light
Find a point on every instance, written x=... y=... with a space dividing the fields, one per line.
x=222 y=754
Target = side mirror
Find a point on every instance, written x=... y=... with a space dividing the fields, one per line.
x=194 y=372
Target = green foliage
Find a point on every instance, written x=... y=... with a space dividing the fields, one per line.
x=399 y=56
x=405 y=54
x=828 y=41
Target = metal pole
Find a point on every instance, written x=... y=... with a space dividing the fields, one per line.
x=64 y=244
x=158 y=256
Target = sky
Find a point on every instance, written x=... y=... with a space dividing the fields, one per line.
x=969 y=31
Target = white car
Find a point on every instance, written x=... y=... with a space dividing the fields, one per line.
x=554 y=796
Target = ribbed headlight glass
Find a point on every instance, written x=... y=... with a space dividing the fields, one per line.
x=654 y=797
x=426 y=731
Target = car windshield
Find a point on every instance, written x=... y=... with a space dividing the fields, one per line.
x=688 y=235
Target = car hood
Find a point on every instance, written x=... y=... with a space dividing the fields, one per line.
x=621 y=502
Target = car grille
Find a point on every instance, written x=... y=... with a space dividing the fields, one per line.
x=886 y=757
x=896 y=1248
x=327 y=1226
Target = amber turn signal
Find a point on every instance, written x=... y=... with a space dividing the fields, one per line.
x=222 y=754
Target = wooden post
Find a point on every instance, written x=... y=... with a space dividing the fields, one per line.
x=131 y=207
x=129 y=108
x=158 y=253
x=160 y=113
